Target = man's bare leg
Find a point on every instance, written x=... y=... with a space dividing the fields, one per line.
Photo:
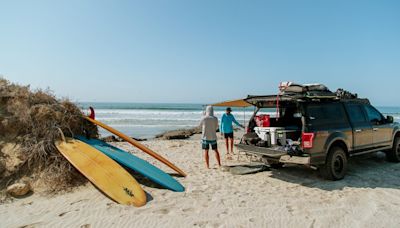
x=227 y=146
x=217 y=157
x=232 y=146
x=207 y=159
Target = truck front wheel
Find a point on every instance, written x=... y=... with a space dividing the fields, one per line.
x=393 y=155
x=335 y=167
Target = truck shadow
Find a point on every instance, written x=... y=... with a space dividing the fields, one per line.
x=367 y=172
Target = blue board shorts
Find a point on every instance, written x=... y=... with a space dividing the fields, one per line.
x=205 y=144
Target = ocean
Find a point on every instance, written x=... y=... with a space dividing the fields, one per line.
x=146 y=120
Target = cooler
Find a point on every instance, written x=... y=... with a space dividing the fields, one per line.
x=269 y=134
x=263 y=120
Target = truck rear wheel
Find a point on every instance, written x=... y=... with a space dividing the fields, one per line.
x=393 y=155
x=335 y=167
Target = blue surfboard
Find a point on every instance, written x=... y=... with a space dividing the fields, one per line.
x=132 y=162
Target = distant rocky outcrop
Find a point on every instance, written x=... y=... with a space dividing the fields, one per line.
x=112 y=138
x=179 y=134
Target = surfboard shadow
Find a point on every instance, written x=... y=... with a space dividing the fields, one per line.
x=144 y=180
x=148 y=196
x=175 y=175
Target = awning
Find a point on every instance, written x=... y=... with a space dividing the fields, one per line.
x=234 y=103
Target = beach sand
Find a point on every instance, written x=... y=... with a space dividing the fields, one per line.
x=294 y=196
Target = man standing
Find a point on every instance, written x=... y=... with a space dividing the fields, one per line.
x=209 y=125
x=226 y=129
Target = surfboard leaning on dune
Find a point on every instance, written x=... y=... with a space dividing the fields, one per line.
x=136 y=164
x=103 y=172
x=137 y=144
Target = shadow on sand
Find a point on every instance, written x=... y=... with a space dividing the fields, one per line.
x=144 y=181
x=366 y=172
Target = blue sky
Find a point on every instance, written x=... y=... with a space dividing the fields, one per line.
x=200 y=51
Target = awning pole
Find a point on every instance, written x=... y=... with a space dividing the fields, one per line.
x=244 y=117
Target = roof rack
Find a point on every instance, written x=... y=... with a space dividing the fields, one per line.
x=271 y=100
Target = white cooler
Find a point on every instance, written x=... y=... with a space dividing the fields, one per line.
x=270 y=134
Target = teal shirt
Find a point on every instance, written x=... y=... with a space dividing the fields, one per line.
x=226 y=125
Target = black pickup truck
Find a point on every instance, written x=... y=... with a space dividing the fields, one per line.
x=321 y=133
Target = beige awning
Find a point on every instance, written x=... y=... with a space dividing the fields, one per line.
x=234 y=103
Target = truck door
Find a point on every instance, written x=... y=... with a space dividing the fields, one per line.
x=362 y=129
x=382 y=131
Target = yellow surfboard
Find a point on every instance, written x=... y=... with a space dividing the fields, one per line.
x=103 y=172
x=138 y=145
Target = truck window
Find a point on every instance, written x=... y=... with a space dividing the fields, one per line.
x=373 y=114
x=356 y=113
x=326 y=113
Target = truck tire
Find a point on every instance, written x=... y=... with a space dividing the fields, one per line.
x=393 y=155
x=335 y=167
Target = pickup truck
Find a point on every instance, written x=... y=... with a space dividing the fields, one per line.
x=319 y=133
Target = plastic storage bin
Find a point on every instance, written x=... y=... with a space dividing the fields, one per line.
x=270 y=134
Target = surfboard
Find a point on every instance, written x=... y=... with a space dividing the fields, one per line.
x=137 y=144
x=103 y=172
x=136 y=164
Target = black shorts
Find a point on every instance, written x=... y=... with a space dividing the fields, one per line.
x=205 y=144
x=228 y=135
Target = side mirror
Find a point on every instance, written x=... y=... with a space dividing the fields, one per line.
x=374 y=122
x=390 y=119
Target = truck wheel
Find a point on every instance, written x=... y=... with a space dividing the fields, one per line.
x=335 y=167
x=393 y=155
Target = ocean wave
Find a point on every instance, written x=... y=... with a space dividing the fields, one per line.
x=141 y=111
x=177 y=126
x=156 y=112
x=109 y=119
x=145 y=121
x=148 y=122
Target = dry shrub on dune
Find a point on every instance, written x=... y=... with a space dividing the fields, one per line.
x=30 y=123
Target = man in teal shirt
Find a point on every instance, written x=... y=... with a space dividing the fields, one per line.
x=226 y=129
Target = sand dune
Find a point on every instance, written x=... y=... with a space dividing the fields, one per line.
x=291 y=197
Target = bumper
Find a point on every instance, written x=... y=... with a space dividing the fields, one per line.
x=295 y=160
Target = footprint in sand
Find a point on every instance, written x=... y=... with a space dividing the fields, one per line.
x=222 y=214
x=27 y=204
x=188 y=209
x=290 y=209
x=31 y=225
x=242 y=203
x=162 y=211
x=64 y=213
x=78 y=201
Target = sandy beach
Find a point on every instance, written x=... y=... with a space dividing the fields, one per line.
x=310 y=86
x=294 y=196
